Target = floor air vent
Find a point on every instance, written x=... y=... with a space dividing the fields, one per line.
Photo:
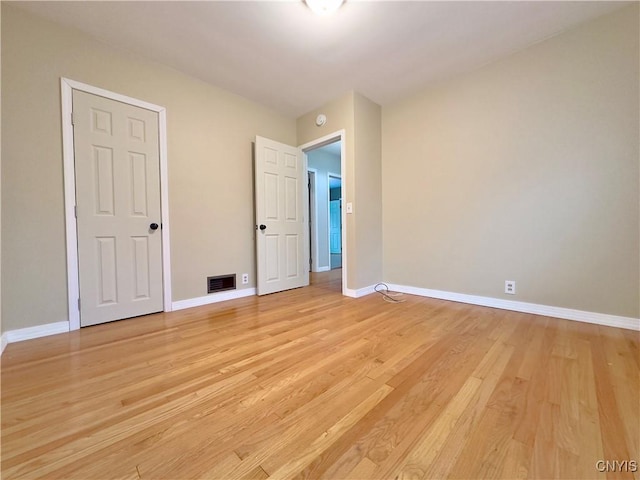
x=221 y=283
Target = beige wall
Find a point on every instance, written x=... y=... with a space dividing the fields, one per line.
x=368 y=191
x=361 y=180
x=340 y=116
x=525 y=170
x=210 y=164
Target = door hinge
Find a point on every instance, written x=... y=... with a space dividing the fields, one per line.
x=78 y=304
x=72 y=120
x=75 y=210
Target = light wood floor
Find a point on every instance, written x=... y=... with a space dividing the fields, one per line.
x=310 y=384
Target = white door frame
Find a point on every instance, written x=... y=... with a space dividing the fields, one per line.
x=313 y=218
x=73 y=288
x=320 y=142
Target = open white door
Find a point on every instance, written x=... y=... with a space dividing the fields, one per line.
x=281 y=226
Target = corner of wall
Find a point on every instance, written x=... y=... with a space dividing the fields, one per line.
x=368 y=190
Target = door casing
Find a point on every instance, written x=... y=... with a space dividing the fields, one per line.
x=73 y=288
x=313 y=218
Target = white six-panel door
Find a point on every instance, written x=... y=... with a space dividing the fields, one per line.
x=281 y=235
x=118 y=209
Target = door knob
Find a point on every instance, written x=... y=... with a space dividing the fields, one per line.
x=153 y=226
x=263 y=227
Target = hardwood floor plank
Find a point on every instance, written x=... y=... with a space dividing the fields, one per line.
x=421 y=399
x=475 y=447
x=330 y=435
x=516 y=461
x=567 y=432
x=590 y=435
x=469 y=419
x=340 y=459
x=363 y=471
x=542 y=386
x=99 y=438
x=626 y=384
x=420 y=457
x=545 y=459
x=611 y=425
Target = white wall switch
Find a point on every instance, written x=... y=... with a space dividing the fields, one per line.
x=349 y=207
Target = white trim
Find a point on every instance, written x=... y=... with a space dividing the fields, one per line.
x=164 y=208
x=361 y=292
x=213 y=298
x=35 y=332
x=313 y=217
x=73 y=288
x=320 y=142
x=3 y=342
x=323 y=269
x=534 y=308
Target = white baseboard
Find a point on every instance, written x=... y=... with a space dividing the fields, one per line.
x=322 y=269
x=38 y=331
x=213 y=298
x=28 y=333
x=629 y=323
x=534 y=308
x=361 y=292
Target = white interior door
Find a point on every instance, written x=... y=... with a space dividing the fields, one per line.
x=118 y=209
x=281 y=226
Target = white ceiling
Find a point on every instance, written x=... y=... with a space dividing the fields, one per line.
x=279 y=54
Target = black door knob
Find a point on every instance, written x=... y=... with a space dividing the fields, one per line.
x=153 y=226
x=263 y=227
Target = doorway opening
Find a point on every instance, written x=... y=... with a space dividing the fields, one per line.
x=324 y=170
x=335 y=220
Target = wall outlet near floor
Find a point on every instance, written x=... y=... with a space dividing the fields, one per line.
x=510 y=287
x=245 y=278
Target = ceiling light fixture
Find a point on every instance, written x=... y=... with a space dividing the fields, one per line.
x=324 y=7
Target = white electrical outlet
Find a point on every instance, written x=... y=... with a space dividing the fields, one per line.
x=245 y=278
x=510 y=287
